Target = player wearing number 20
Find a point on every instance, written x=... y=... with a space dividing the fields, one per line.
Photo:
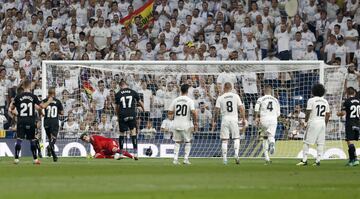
x=181 y=110
x=351 y=108
x=229 y=104
x=51 y=121
x=267 y=110
x=317 y=116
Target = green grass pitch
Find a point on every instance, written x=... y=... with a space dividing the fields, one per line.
x=157 y=178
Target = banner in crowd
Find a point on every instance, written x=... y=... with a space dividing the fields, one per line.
x=145 y=13
x=165 y=148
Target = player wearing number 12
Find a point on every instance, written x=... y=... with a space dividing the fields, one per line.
x=351 y=108
x=229 y=104
x=51 y=121
x=126 y=102
x=317 y=116
x=181 y=110
x=267 y=110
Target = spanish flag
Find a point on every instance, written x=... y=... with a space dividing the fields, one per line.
x=145 y=13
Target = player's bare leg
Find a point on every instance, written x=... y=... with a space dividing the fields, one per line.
x=17 y=150
x=187 y=152
x=224 y=149
x=133 y=136
x=176 y=152
x=236 y=150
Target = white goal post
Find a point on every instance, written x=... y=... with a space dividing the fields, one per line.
x=157 y=82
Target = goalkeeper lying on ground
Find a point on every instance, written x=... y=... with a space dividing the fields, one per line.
x=105 y=147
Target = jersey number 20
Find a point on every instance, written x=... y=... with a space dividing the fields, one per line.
x=355 y=111
x=181 y=110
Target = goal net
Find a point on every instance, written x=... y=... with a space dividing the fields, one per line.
x=87 y=90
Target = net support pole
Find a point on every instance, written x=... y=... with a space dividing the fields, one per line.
x=43 y=95
x=322 y=73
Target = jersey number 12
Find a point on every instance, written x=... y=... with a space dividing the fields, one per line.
x=320 y=110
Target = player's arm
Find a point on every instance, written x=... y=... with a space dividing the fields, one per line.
x=343 y=111
x=241 y=110
x=216 y=117
x=307 y=115
x=171 y=110
x=141 y=104
x=43 y=105
x=257 y=112
x=194 y=116
x=11 y=108
x=61 y=108
x=327 y=114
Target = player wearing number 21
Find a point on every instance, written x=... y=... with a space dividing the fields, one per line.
x=351 y=108
x=51 y=121
x=26 y=104
x=229 y=104
x=181 y=110
x=317 y=116
x=267 y=110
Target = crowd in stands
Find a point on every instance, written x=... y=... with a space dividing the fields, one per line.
x=36 y=30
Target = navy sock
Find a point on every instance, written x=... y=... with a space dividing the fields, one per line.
x=134 y=142
x=17 y=148
x=33 y=148
x=352 y=152
x=121 y=141
x=52 y=147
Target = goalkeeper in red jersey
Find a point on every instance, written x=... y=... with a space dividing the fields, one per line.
x=105 y=147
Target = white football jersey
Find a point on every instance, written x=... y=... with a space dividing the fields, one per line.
x=269 y=108
x=229 y=104
x=318 y=107
x=182 y=107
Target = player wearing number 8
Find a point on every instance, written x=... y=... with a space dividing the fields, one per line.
x=51 y=120
x=181 y=110
x=267 y=110
x=351 y=108
x=317 y=116
x=229 y=104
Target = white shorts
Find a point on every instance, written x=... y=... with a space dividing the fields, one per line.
x=270 y=127
x=315 y=133
x=182 y=135
x=229 y=127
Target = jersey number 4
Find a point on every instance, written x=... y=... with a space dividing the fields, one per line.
x=26 y=109
x=320 y=110
x=181 y=110
x=129 y=99
x=270 y=106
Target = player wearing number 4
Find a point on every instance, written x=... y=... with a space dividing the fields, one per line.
x=181 y=110
x=229 y=104
x=351 y=108
x=317 y=116
x=267 y=110
x=51 y=121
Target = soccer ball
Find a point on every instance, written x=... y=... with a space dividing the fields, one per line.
x=117 y=156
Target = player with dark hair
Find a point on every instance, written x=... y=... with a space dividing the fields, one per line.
x=181 y=109
x=51 y=121
x=25 y=104
x=105 y=147
x=351 y=108
x=317 y=117
x=126 y=102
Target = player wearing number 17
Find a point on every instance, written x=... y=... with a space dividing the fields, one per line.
x=317 y=116
x=51 y=121
x=181 y=110
x=267 y=110
x=229 y=104
x=126 y=102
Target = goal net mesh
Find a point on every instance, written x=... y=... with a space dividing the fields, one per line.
x=87 y=91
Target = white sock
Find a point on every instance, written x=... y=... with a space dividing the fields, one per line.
x=305 y=152
x=176 y=151
x=236 y=147
x=187 y=150
x=224 y=146
x=266 y=149
x=320 y=150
